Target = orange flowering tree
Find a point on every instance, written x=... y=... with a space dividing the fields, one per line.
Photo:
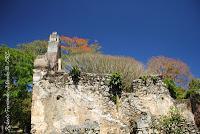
x=76 y=45
x=170 y=68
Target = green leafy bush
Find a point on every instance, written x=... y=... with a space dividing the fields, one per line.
x=129 y=68
x=180 y=93
x=170 y=84
x=144 y=79
x=176 y=92
x=154 y=79
x=194 y=84
x=75 y=74
x=171 y=123
x=191 y=92
x=115 y=85
x=194 y=88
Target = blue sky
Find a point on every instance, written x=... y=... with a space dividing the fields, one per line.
x=137 y=28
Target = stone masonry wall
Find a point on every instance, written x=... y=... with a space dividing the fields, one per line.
x=59 y=107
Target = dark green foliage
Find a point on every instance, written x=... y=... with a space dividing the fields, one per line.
x=37 y=47
x=144 y=79
x=194 y=88
x=191 y=92
x=115 y=85
x=75 y=74
x=194 y=84
x=154 y=79
x=21 y=70
x=180 y=93
x=171 y=87
x=171 y=123
x=175 y=91
x=114 y=98
x=133 y=127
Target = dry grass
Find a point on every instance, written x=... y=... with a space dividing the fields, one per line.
x=128 y=67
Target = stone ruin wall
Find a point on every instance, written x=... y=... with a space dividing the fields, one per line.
x=195 y=101
x=59 y=107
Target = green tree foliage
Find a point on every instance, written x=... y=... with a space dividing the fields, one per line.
x=194 y=87
x=194 y=84
x=20 y=69
x=37 y=47
x=176 y=92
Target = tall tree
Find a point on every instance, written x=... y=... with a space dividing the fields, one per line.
x=37 y=47
x=76 y=45
x=170 y=68
x=20 y=75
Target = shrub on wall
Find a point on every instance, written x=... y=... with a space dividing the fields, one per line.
x=129 y=68
x=115 y=85
x=154 y=79
x=176 y=92
x=75 y=74
x=172 y=123
x=194 y=84
x=170 y=84
x=144 y=79
x=194 y=88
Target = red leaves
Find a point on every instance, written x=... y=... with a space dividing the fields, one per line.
x=80 y=41
x=171 y=68
x=74 y=40
x=66 y=39
x=75 y=45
